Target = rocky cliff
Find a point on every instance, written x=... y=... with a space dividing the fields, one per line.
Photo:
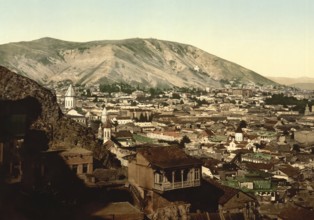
x=61 y=131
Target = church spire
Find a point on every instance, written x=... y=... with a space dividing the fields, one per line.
x=70 y=92
x=104 y=115
x=105 y=126
x=69 y=98
x=307 y=109
x=100 y=135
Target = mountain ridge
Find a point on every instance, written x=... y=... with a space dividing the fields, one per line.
x=148 y=62
x=292 y=80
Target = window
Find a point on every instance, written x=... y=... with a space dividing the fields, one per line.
x=197 y=174
x=85 y=168
x=158 y=178
x=74 y=168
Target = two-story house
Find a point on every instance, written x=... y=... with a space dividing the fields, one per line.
x=164 y=168
x=80 y=161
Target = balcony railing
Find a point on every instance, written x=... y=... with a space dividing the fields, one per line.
x=176 y=185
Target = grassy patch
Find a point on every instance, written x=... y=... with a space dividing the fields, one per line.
x=82 y=49
x=142 y=139
x=44 y=60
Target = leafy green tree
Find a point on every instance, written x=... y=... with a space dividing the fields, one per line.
x=242 y=124
x=142 y=118
x=88 y=93
x=296 y=148
x=185 y=140
x=133 y=103
x=95 y=99
x=152 y=92
x=175 y=96
x=280 y=99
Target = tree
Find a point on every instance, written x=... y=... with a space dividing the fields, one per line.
x=150 y=118
x=88 y=93
x=296 y=148
x=133 y=103
x=185 y=140
x=142 y=118
x=258 y=146
x=95 y=99
x=280 y=99
x=175 y=96
x=242 y=124
x=152 y=92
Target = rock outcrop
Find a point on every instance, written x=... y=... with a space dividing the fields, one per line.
x=61 y=131
x=174 y=212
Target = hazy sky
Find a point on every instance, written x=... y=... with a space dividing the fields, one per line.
x=271 y=37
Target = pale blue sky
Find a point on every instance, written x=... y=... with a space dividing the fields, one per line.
x=271 y=37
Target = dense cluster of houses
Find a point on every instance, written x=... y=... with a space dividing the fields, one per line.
x=262 y=151
x=229 y=156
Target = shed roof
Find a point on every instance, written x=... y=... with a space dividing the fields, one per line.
x=77 y=150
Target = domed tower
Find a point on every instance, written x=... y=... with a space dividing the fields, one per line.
x=69 y=98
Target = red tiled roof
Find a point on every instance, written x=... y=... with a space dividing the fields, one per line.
x=294 y=212
x=168 y=157
x=228 y=191
x=259 y=166
x=123 y=134
x=289 y=170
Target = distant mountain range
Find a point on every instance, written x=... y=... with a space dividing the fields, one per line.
x=145 y=62
x=301 y=82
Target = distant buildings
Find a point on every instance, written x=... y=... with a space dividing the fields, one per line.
x=251 y=166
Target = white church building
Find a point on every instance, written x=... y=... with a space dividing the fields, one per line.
x=104 y=130
x=69 y=98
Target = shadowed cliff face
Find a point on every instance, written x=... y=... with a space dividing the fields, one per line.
x=36 y=183
x=17 y=116
x=60 y=131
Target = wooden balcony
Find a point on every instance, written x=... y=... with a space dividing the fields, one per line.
x=166 y=186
